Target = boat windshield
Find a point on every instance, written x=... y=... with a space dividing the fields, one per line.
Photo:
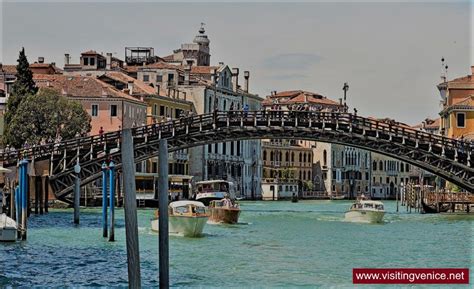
x=199 y=210
x=181 y=210
x=369 y=206
x=379 y=207
x=217 y=186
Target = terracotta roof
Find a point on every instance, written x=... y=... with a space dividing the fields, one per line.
x=303 y=98
x=168 y=57
x=202 y=69
x=162 y=65
x=9 y=69
x=464 y=79
x=80 y=86
x=89 y=52
x=139 y=87
x=298 y=96
x=465 y=101
x=429 y=123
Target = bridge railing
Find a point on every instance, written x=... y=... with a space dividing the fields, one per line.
x=341 y=118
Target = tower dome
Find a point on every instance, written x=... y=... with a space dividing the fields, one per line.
x=201 y=38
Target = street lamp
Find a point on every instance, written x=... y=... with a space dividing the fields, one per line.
x=345 y=88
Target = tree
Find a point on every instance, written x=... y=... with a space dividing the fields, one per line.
x=23 y=86
x=45 y=116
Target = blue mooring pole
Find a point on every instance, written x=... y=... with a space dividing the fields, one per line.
x=24 y=197
x=112 y=200
x=104 y=200
x=18 y=201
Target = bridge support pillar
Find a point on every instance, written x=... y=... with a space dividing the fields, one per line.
x=163 y=214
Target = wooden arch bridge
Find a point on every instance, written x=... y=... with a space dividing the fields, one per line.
x=448 y=158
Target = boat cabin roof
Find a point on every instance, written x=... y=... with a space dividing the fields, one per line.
x=371 y=202
x=186 y=203
x=212 y=182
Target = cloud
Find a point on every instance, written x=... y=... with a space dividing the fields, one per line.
x=300 y=61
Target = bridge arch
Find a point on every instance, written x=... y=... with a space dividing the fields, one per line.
x=445 y=157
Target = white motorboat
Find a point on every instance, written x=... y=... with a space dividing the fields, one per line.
x=366 y=211
x=207 y=191
x=185 y=218
x=8 y=229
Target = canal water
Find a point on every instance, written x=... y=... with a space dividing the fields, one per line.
x=277 y=244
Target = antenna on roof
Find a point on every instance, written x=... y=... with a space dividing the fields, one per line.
x=444 y=70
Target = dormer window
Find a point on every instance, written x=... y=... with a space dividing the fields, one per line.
x=86 y=60
x=92 y=61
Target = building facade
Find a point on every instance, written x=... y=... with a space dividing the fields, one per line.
x=457 y=107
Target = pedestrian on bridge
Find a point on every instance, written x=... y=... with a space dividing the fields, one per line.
x=246 y=110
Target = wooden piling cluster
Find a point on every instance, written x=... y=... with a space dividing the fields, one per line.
x=415 y=195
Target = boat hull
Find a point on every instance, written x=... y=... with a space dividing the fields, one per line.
x=364 y=216
x=183 y=225
x=224 y=215
x=8 y=229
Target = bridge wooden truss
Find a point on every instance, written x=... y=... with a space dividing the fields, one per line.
x=448 y=158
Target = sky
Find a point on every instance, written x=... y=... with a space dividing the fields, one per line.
x=388 y=52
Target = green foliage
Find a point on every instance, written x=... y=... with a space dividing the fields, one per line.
x=44 y=116
x=309 y=185
x=23 y=86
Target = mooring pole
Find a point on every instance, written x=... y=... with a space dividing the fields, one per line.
x=130 y=208
x=17 y=205
x=24 y=199
x=104 y=200
x=46 y=193
x=77 y=192
x=112 y=201
x=163 y=213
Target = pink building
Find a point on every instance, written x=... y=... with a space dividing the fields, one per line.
x=109 y=108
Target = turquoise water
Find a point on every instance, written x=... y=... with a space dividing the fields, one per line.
x=277 y=244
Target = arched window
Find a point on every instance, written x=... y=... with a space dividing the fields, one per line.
x=264 y=155
x=381 y=166
x=300 y=158
x=300 y=175
x=225 y=102
x=374 y=166
x=304 y=175
x=309 y=175
x=292 y=157
x=287 y=156
x=325 y=158
x=304 y=157
x=271 y=156
x=407 y=167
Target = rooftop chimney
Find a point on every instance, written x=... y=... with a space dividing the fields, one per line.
x=66 y=58
x=235 y=78
x=187 y=72
x=130 y=87
x=213 y=76
x=472 y=70
x=108 y=61
x=40 y=59
x=1 y=66
x=246 y=83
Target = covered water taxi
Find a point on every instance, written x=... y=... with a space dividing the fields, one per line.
x=186 y=218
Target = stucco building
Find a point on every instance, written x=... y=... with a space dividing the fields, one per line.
x=457 y=107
